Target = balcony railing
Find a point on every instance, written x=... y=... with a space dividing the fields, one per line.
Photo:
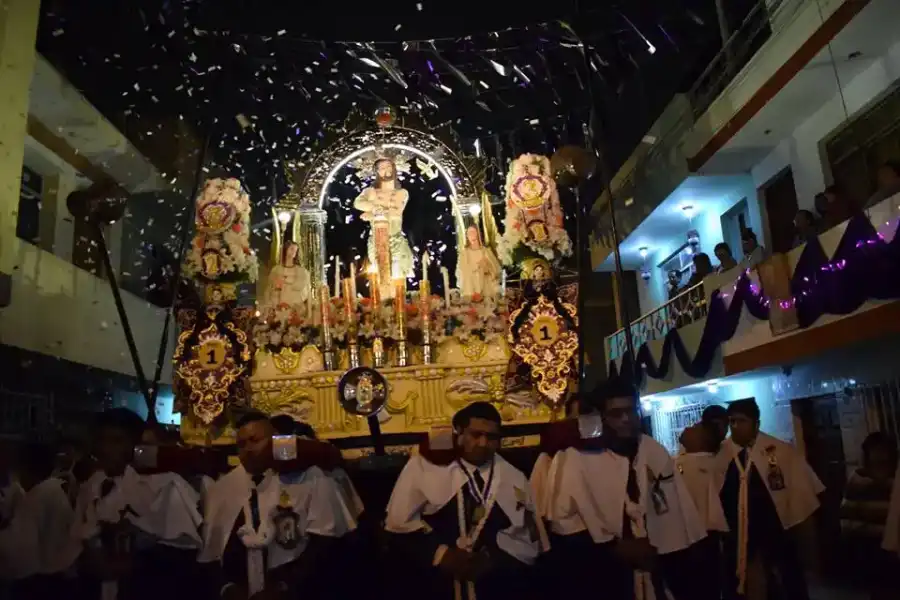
x=687 y=307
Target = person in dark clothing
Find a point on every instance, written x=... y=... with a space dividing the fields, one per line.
x=726 y=258
x=768 y=489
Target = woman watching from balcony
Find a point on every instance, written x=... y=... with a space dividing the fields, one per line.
x=805 y=226
x=834 y=206
x=702 y=268
x=726 y=259
x=753 y=252
x=888 y=180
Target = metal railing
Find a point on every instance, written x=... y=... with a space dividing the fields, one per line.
x=687 y=307
x=668 y=425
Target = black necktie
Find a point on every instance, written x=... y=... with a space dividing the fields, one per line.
x=742 y=456
x=107 y=487
x=254 y=501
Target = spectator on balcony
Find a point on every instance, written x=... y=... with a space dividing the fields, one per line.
x=834 y=206
x=702 y=268
x=726 y=259
x=888 y=178
x=805 y=226
x=753 y=252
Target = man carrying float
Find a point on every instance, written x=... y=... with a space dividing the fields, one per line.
x=267 y=532
x=464 y=518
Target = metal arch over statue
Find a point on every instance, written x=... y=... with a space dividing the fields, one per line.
x=361 y=142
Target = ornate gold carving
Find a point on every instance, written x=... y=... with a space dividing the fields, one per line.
x=286 y=360
x=395 y=407
x=547 y=345
x=285 y=398
x=474 y=349
x=211 y=367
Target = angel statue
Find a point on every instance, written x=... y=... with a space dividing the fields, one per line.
x=477 y=269
x=382 y=205
x=289 y=282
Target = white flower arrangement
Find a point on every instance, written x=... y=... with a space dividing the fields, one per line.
x=533 y=226
x=221 y=248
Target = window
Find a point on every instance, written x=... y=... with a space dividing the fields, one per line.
x=28 y=222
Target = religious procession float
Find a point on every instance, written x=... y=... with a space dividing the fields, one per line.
x=383 y=345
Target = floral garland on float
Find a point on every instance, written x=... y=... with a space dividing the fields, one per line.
x=284 y=327
x=533 y=227
x=470 y=318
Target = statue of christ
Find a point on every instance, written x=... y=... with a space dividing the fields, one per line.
x=382 y=205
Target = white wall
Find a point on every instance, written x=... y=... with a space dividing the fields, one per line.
x=801 y=150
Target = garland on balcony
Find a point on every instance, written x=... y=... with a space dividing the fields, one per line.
x=865 y=266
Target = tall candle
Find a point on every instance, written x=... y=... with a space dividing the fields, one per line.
x=425 y=260
x=337 y=276
x=353 y=280
x=502 y=282
x=446 y=275
x=400 y=303
x=325 y=307
x=349 y=301
x=375 y=290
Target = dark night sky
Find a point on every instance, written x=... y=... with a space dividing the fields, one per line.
x=296 y=69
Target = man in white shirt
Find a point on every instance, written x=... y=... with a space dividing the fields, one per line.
x=622 y=518
x=137 y=534
x=32 y=544
x=268 y=533
x=463 y=520
x=767 y=489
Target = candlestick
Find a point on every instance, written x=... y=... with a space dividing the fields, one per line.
x=325 y=307
x=337 y=276
x=503 y=282
x=425 y=260
x=375 y=289
x=446 y=275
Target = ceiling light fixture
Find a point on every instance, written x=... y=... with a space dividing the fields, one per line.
x=688 y=210
x=643 y=251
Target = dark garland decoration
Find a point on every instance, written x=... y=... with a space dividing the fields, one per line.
x=864 y=267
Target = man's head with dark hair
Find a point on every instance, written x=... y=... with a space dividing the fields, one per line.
x=35 y=463
x=724 y=255
x=117 y=432
x=616 y=400
x=743 y=418
x=889 y=175
x=254 y=442
x=748 y=241
x=477 y=431
x=283 y=424
x=879 y=456
x=715 y=420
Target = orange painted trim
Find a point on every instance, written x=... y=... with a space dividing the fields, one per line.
x=785 y=73
x=869 y=325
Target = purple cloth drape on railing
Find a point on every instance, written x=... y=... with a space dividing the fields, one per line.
x=864 y=267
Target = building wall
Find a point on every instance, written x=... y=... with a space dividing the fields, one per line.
x=57 y=309
x=802 y=150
